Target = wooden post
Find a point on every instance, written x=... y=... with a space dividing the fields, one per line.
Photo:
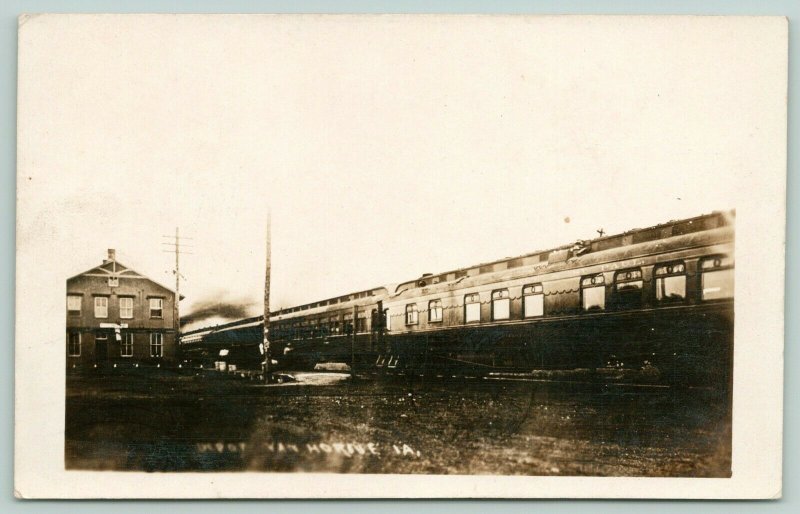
x=353 y=343
x=381 y=320
x=268 y=269
x=177 y=301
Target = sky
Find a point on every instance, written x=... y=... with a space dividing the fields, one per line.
x=384 y=149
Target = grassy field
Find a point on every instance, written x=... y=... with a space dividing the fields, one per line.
x=205 y=421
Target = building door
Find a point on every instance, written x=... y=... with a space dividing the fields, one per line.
x=101 y=348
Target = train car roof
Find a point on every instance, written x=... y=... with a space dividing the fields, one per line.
x=562 y=253
x=608 y=257
x=232 y=325
x=352 y=297
x=671 y=228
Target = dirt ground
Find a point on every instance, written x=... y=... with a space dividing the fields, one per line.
x=207 y=421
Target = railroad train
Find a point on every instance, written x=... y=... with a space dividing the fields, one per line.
x=655 y=304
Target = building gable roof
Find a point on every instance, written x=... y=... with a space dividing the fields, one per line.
x=114 y=268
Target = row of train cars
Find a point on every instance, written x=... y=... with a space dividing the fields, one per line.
x=651 y=305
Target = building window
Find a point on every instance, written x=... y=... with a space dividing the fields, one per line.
x=100 y=306
x=74 y=344
x=113 y=281
x=156 y=344
x=533 y=299
x=156 y=307
x=126 y=307
x=501 y=305
x=472 y=308
x=334 y=325
x=73 y=304
x=435 y=311
x=670 y=283
x=716 y=276
x=593 y=293
x=126 y=348
x=628 y=287
x=412 y=314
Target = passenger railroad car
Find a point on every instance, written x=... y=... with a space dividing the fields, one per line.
x=653 y=304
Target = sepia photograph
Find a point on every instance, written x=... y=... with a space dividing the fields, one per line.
x=400 y=250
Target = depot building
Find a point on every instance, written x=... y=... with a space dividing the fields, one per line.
x=118 y=317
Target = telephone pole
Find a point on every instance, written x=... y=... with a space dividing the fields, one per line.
x=177 y=247
x=268 y=270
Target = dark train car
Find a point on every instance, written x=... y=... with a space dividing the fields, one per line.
x=658 y=301
x=331 y=330
x=237 y=343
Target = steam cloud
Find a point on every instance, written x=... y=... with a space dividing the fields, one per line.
x=218 y=307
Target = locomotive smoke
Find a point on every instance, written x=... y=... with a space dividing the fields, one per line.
x=219 y=307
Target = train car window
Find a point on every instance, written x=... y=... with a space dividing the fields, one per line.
x=716 y=277
x=387 y=320
x=501 y=305
x=670 y=282
x=348 y=323
x=472 y=308
x=628 y=286
x=334 y=324
x=435 y=311
x=533 y=299
x=375 y=322
x=412 y=314
x=361 y=321
x=593 y=293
